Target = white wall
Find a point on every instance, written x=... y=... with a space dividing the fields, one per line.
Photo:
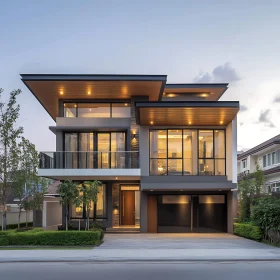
x=12 y=217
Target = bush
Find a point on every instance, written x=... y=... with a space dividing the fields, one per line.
x=51 y=238
x=13 y=226
x=248 y=231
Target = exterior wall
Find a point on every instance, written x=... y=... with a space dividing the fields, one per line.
x=231 y=151
x=232 y=204
x=116 y=204
x=12 y=216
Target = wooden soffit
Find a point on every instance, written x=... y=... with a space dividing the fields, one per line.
x=49 y=89
x=186 y=114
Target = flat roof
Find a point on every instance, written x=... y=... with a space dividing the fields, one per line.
x=192 y=113
x=49 y=88
x=209 y=92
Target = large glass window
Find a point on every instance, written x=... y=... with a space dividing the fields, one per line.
x=187 y=152
x=268 y=160
x=120 y=110
x=86 y=150
x=71 y=148
x=96 y=110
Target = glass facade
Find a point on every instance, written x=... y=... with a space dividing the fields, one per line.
x=96 y=110
x=187 y=152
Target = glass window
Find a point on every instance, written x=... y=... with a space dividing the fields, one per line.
x=220 y=167
x=278 y=156
x=86 y=150
x=70 y=110
x=175 y=167
x=118 y=156
x=71 y=148
x=190 y=152
x=219 y=143
x=205 y=143
x=120 y=110
x=103 y=147
x=273 y=157
x=94 y=110
x=174 y=143
x=264 y=161
x=206 y=167
x=158 y=144
x=244 y=163
x=101 y=202
x=268 y=157
x=158 y=166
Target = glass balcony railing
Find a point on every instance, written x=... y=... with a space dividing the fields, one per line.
x=89 y=160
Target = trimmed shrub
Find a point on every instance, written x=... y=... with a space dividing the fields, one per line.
x=14 y=226
x=248 y=231
x=51 y=238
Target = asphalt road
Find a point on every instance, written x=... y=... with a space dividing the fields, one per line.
x=137 y=271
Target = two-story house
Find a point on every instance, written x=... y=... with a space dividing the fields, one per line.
x=165 y=153
x=267 y=156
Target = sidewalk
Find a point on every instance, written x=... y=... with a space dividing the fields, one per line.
x=140 y=255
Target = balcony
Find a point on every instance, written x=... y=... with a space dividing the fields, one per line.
x=89 y=165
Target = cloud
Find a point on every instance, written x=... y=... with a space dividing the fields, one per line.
x=265 y=118
x=243 y=108
x=221 y=74
x=277 y=98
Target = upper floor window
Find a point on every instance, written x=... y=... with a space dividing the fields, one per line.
x=96 y=110
x=244 y=163
x=273 y=157
x=187 y=152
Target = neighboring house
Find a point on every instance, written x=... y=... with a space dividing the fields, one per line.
x=165 y=153
x=267 y=156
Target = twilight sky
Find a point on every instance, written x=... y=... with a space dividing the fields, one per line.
x=190 y=41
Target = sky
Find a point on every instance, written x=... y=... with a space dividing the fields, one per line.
x=190 y=41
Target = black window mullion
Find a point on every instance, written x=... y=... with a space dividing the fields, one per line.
x=167 y=157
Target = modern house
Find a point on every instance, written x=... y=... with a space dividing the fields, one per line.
x=267 y=156
x=165 y=153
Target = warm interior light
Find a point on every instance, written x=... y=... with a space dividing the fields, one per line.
x=125 y=104
x=204 y=95
x=75 y=105
x=88 y=92
x=221 y=122
x=64 y=105
x=151 y=122
x=116 y=178
x=190 y=122
x=61 y=92
x=171 y=95
x=200 y=137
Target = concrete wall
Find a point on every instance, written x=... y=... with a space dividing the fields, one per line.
x=232 y=202
x=12 y=217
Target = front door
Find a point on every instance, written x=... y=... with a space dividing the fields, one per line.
x=128 y=208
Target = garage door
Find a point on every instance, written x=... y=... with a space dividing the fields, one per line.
x=192 y=213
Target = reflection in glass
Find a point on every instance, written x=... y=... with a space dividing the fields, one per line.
x=206 y=167
x=158 y=166
x=158 y=144
x=118 y=145
x=174 y=167
x=219 y=143
x=70 y=110
x=86 y=150
x=205 y=143
x=71 y=144
x=220 y=167
x=120 y=110
x=94 y=110
x=174 y=143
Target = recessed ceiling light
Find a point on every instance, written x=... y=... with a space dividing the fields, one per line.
x=221 y=122
x=88 y=92
x=125 y=104
x=190 y=122
x=116 y=178
x=61 y=92
x=151 y=190
x=151 y=122
x=75 y=105
x=204 y=95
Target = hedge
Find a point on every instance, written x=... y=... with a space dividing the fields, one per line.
x=248 y=231
x=51 y=238
x=13 y=226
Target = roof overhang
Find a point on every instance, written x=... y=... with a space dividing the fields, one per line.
x=209 y=92
x=192 y=113
x=49 y=88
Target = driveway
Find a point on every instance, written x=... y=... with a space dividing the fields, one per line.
x=179 y=241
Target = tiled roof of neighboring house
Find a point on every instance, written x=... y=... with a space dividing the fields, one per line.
x=52 y=188
x=272 y=141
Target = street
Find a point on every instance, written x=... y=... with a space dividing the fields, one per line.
x=137 y=271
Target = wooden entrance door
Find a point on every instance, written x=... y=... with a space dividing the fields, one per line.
x=128 y=208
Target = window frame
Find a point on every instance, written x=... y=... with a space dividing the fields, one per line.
x=244 y=161
x=182 y=158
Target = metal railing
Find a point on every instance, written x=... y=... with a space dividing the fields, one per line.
x=89 y=160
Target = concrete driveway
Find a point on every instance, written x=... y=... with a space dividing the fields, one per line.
x=179 y=241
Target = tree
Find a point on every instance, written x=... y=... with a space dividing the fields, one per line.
x=25 y=177
x=9 y=133
x=88 y=194
x=258 y=180
x=68 y=192
x=244 y=192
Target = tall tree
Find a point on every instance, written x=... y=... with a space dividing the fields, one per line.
x=25 y=177
x=68 y=192
x=258 y=179
x=9 y=133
